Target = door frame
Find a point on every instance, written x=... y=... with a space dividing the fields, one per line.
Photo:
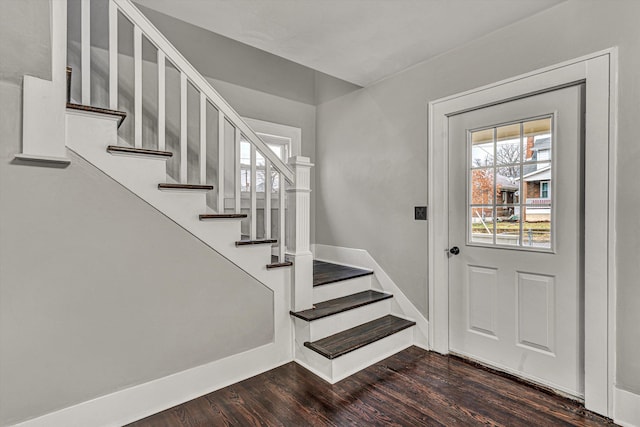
x=599 y=73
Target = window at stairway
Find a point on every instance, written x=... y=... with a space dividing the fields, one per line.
x=279 y=145
x=510 y=196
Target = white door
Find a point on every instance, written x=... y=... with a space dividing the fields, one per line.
x=515 y=234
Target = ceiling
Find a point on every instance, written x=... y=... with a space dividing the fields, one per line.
x=360 y=41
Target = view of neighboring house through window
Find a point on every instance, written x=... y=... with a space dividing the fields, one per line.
x=509 y=194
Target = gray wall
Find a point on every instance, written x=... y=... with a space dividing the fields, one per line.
x=98 y=290
x=372 y=148
x=225 y=59
x=15 y=40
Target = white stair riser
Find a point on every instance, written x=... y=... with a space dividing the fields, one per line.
x=341 y=289
x=321 y=328
x=339 y=368
x=366 y=356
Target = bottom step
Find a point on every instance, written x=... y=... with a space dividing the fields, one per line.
x=352 y=339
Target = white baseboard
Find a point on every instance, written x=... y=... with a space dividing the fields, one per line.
x=626 y=408
x=126 y=406
x=361 y=258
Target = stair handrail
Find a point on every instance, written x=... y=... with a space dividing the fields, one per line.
x=153 y=35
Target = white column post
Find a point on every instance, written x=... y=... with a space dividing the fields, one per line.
x=299 y=232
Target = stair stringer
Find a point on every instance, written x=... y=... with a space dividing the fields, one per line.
x=89 y=134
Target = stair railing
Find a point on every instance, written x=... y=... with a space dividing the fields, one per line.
x=142 y=27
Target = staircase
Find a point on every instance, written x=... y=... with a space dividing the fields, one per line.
x=350 y=325
x=343 y=321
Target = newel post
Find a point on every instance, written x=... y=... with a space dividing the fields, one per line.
x=299 y=232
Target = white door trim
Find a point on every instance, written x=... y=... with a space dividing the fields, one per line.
x=599 y=72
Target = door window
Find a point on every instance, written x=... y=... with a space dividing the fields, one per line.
x=509 y=186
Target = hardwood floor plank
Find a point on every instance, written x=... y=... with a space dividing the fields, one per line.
x=411 y=388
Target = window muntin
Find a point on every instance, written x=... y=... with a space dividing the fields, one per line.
x=509 y=186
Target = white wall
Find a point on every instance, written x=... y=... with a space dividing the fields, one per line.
x=372 y=148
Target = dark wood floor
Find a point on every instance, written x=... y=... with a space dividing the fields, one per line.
x=412 y=388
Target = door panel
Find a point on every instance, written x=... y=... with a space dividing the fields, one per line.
x=516 y=213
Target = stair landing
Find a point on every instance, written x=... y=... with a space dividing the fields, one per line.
x=327 y=272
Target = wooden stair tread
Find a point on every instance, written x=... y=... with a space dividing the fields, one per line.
x=255 y=242
x=138 y=151
x=221 y=216
x=167 y=186
x=339 y=305
x=279 y=265
x=88 y=108
x=352 y=339
x=327 y=272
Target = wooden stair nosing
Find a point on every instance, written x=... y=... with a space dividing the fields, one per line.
x=325 y=273
x=221 y=216
x=359 y=336
x=279 y=265
x=195 y=187
x=88 y=108
x=138 y=151
x=255 y=242
x=339 y=305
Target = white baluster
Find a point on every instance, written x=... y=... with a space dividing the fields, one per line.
x=281 y=213
x=113 y=55
x=267 y=199
x=128 y=10
x=221 y=139
x=253 y=194
x=162 y=88
x=203 y=138
x=238 y=170
x=183 y=127
x=85 y=50
x=137 y=85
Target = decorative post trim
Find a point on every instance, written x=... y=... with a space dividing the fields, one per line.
x=299 y=232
